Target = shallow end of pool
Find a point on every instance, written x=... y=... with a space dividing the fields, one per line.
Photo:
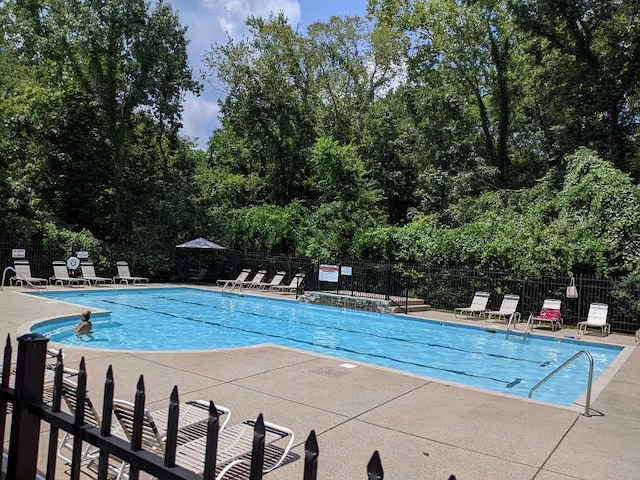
x=33 y=326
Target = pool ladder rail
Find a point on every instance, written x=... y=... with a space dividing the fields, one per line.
x=587 y=406
x=587 y=403
x=513 y=322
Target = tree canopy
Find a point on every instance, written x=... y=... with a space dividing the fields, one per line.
x=483 y=133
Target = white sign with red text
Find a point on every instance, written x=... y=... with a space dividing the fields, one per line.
x=328 y=273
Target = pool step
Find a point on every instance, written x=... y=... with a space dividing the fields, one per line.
x=413 y=305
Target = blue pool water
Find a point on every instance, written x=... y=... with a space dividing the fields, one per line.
x=193 y=319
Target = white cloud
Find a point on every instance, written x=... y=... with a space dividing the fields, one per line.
x=199 y=119
x=231 y=14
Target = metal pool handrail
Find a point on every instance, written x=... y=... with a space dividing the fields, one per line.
x=589 y=382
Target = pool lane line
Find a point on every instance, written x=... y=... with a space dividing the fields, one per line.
x=332 y=327
x=341 y=329
x=507 y=383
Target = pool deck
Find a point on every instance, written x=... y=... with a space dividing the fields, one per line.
x=423 y=428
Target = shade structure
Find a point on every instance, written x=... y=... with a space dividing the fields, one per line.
x=201 y=243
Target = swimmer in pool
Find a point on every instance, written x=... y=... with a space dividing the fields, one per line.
x=85 y=326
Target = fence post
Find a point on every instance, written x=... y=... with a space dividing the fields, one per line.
x=257 y=452
x=580 y=299
x=311 y=453
x=374 y=467
x=387 y=281
x=25 y=427
x=4 y=406
x=213 y=428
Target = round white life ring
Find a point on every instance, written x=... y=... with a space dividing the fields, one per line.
x=73 y=263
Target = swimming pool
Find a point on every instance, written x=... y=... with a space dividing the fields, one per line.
x=194 y=319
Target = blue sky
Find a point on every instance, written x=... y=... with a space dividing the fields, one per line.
x=209 y=21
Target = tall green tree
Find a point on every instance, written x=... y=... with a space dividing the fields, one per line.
x=269 y=108
x=353 y=66
x=466 y=48
x=347 y=201
x=582 y=70
x=393 y=153
x=97 y=70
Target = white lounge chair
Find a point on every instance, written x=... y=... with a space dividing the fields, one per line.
x=507 y=310
x=292 y=287
x=550 y=313
x=89 y=274
x=91 y=417
x=23 y=275
x=235 y=445
x=242 y=276
x=275 y=281
x=61 y=276
x=596 y=318
x=49 y=375
x=192 y=424
x=477 y=307
x=192 y=414
x=124 y=275
x=255 y=281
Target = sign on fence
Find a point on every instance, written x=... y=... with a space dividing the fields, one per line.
x=18 y=253
x=328 y=273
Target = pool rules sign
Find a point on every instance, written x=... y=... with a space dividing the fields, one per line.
x=329 y=273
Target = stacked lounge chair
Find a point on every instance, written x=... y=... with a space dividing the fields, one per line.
x=89 y=274
x=478 y=305
x=275 y=281
x=293 y=286
x=230 y=283
x=192 y=424
x=235 y=446
x=255 y=281
x=200 y=276
x=61 y=276
x=91 y=417
x=124 y=275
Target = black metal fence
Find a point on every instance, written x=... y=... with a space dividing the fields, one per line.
x=447 y=287
x=442 y=287
x=28 y=411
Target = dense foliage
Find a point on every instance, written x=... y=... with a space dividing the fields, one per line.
x=488 y=133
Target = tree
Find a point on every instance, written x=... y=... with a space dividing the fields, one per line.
x=346 y=200
x=97 y=70
x=465 y=47
x=270 y=106
x=393 y=153
x=353 y=65
x=599 y=203
x=584 y=67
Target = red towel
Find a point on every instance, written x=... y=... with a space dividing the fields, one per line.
x=549 y=314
